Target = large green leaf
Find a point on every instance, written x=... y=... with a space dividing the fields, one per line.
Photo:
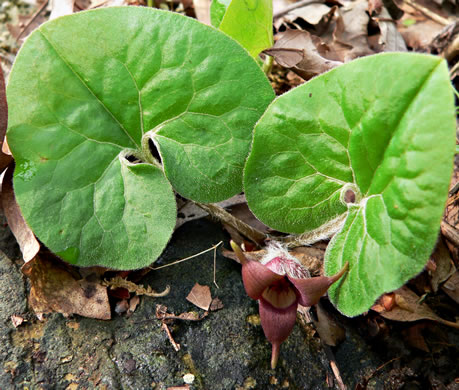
x=89 y=90
x=250 y=22
x=382 y=127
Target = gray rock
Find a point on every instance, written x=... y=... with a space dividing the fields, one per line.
x=225 y=350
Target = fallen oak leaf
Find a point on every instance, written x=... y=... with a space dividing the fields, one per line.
x=119 y=282
x=408 y=309
x=200 y=296
x=24 y=236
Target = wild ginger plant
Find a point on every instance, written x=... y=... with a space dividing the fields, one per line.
x=107 y=122
x=364 y=151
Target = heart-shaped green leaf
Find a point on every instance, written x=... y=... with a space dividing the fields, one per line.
x=87 y=93
x=250 y=22
x=381 y=130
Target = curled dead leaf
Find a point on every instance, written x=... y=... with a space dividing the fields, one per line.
x=408 y=309
x=26 y=239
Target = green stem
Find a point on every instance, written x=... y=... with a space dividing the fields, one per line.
x=150 y=3
x=268 y=64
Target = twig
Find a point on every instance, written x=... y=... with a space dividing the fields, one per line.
x=171 y=339
x=427 y=12
x=454 y=69
x=187 y=258
x=452 y=50
x=221 y=214
x=215 y=265
x=32 y=19
x=334 y=366
x=291 y=7
x=376 y=371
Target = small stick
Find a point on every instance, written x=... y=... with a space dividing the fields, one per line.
x=171 y=339
x=215 y=265
x=31 y=20
x=334 y=367
x=221 y=214
x=427 y=12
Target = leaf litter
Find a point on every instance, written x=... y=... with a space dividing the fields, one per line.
x=336 y=32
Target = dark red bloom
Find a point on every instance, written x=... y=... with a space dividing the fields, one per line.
x=280 y=283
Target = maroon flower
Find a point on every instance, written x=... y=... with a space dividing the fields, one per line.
x=279 y=283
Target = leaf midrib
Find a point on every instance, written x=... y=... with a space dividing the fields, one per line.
x=397 y=129
x=67 y=64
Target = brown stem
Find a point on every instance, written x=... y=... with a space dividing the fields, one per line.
x=221 y=214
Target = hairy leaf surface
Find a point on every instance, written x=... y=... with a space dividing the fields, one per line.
x=382 y=127
x=84 y=103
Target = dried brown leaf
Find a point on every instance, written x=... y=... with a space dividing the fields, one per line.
x=350 y=37
x=55 y=289
x=216 y=304
x=121 y=306
x=312 y=13
x=5 y=159
x=390 y=39
x=24 y=235
x=413 y=336
x=297 y=50
x=408 y=309
x=451 y=287
x=133 y=303
x=200 y=296
x=444 y=265
x=375 y=7
x=17 y=320
x=329 y=331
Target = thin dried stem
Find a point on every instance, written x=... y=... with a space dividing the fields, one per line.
x=427 y=12
x=187 y=258
x=222 y=215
